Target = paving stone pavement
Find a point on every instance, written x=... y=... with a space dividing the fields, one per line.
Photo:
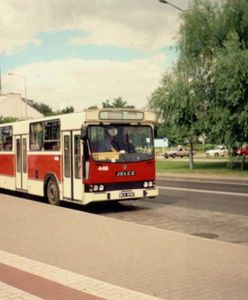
x=114 y=259
x=66 y=278
x=12 y=293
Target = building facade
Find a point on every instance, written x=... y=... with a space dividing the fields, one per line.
x=13 y=105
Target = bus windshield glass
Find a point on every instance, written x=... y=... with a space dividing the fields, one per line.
x=121 y=143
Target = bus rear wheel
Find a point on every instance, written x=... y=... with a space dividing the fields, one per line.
x=52 y=192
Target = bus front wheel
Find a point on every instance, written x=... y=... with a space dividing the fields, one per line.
x=52 y=192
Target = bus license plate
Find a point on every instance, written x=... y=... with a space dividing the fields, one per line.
x=126 y=194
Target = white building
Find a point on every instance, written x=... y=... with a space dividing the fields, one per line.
x=13 y=105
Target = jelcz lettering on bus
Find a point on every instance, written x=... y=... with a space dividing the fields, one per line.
x=125 y=173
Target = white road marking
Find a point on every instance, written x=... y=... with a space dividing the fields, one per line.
x=203 y=181
x=203 y=191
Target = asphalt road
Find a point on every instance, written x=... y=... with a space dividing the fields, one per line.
x=209 y=185
x=209 y=209
x=226 y=197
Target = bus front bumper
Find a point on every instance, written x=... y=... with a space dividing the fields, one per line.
x=120 y=195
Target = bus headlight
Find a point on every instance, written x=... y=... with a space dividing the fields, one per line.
x=150 y=184
x=96 y=188
x=101 y=187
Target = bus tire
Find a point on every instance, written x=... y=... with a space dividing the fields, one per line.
x=52 y=191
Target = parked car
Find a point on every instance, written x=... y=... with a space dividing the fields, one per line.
x=179 y=152
x=217 y=151
x=168 y=154
x=243 y=150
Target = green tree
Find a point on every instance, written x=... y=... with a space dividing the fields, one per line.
x=44 y=109
x=67 y=110
x=116 y=103
x=92 y=107
x=47 y=111
x=217 y=42
x=229 y=107
x=206 y=92
x=7 y=119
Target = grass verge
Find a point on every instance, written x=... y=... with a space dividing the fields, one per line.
x=208 y=168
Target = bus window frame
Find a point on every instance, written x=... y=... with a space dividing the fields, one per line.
x=117 y=125
x=55 y=143
x=6 y=146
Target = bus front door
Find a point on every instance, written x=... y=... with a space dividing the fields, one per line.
x=21 y=162
x=72 y=166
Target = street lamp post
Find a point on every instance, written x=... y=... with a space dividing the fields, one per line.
x=176 y=7
x=184 y=34
x=25 y=91
x=186 y=70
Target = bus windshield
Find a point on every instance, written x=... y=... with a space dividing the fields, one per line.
x=121 y=143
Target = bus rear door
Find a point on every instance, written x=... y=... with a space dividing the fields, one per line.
x=72 y=166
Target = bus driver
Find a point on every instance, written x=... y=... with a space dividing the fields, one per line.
x=109 y=143
x=116 y=141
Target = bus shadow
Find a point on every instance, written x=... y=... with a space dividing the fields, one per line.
x=23 y=195
x=94 y=208
x=105 y=207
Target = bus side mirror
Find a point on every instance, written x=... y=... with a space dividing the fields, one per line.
x=84 y=132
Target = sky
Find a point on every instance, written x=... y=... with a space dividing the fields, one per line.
x=81 y=53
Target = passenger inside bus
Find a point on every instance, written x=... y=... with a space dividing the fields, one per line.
x=7 y=145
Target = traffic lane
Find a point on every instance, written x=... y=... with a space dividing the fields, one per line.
x=224 y=203
x=204 y=185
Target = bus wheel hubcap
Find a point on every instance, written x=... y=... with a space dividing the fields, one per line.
x=52 y=191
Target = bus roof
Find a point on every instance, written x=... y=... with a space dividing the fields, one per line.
x=125 y=115
x=75 y=120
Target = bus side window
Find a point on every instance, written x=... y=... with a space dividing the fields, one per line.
x=8 y=145
x=36 y=136
x=52 y=135
x=6 y=138
x=45 y=136
x=34 y=147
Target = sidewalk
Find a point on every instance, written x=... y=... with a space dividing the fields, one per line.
x=95 y=257
x=22 y=278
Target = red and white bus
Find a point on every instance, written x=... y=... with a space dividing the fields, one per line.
x=90 y=156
